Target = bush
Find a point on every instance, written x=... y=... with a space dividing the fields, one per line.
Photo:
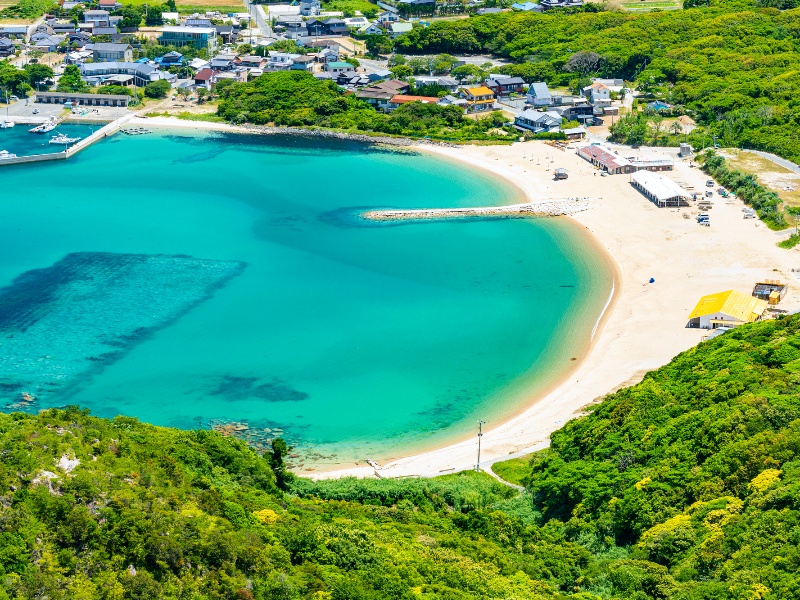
x=157 y=89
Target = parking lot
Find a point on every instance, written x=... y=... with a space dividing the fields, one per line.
x=24 y=110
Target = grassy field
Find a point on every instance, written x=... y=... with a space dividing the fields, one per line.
x=350 y=6
x=513 y=470
x=772 y=176
x=191 y=6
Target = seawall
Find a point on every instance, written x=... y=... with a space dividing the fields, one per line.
x=550 y=208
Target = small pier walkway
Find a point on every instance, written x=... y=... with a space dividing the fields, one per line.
x=549 y=208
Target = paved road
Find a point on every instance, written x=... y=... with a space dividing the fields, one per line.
x=257 y=12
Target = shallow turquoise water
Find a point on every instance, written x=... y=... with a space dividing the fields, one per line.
x=364 y=341
x=18 y=140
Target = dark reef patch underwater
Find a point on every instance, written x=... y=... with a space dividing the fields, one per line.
x=62 y=324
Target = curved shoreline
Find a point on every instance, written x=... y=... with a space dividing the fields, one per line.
x=641 y=327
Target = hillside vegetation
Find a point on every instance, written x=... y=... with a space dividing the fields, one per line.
x=734 y=66
x=684 y=486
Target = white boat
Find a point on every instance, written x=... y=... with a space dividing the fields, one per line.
x=6 y=154
x=63 y=139
x=6 y=124
x=45 y=127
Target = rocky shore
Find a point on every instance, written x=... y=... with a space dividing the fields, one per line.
x=551 y=208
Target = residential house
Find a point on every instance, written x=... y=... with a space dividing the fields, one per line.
x=357 y=22
x=328 y=54
x=303 y=63
x=398 y=29
x=419 y=3
x=580 y=111
x=109 y=5
x=478 y=98
x=206 y=78
x=170 y=59
x=686 y=123
x=726 y=309
x=78 y=57
x=63 y=27
x=111 y=52
x=228 y=33
x=81 y=38
x=99 y=18
x=448 y=83
x=387 y=17
x=310 y=8
x=371 y=29
x=380 y=94
x=598 y=94
x=280 y=61
x=538 y=121
x=7 y=47
x=338 y=67
x=328 y=27
x=14 y=32
x=379 y=75
x=238 y=75
x=198 y=22
x=112 y=31
x=505 y=86
x=198 y=63
x=539 y=95
x=253 y=62
x=615 y=85
x=41 y=31
x=97 y=73
x=450 y=100
x=48 y=43
x=199 y=37
x=223 y=62
x=171 y=18
x=574 y=133
x=548 y=4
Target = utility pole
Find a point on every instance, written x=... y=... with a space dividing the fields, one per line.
x=480 y=435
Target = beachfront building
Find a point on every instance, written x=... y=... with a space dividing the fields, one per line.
x=652 y=163
x=660 y=190
x=598 y=94
x=726 y=309
x=611 y=163
x=771 y=290
x=104 y=52
x=539 y=94
x=179 y=36
x=538 y=121
x=82 y=99
x=478 y=98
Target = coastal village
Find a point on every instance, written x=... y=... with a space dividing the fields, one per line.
x=142 y=77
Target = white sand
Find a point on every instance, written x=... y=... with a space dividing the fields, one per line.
x=645 y=325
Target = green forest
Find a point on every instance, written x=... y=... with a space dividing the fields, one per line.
x=296 y=98
x=684 y=486
x=733 y=66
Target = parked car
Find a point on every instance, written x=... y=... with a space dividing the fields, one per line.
x=710 y=183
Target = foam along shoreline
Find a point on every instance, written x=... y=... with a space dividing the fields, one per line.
x=551 y=208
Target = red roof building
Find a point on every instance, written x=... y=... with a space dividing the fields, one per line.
x=401 y=99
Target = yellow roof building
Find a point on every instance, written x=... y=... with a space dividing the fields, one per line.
x=480 y=94
x=726 y=308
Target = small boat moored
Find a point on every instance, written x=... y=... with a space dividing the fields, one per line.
x=6 y=124
x=4 y=154
x=63 y=139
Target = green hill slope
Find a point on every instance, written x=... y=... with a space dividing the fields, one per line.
x=684 y=486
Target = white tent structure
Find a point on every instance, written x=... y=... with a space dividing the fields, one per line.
x=660 y=189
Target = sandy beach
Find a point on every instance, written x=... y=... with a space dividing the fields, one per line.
x=643 y=325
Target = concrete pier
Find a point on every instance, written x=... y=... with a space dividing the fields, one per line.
x=549 y=208
x=104 y=131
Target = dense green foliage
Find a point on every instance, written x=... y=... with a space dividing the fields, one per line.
x=696 y=470
x=157 y=89
x=733 y=68
x=685 y=486
x=296 y=98
x=513 y=470
x=71 y=80
x=768 y=204
x=28 y=9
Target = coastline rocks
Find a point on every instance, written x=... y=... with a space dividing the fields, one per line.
x=551 y=208
x=340 y=135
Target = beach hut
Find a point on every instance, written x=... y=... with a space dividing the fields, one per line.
x=661 y=190
x=771 y=290
x=726 y=309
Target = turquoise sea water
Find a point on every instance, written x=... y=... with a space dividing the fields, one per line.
x=18 y=140
x=359 y=341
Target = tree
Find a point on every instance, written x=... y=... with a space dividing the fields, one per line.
x=71 y=81
x=244 y=49
x=201 y=94
x=131 y=17
x=402 y=71
x=276 y=459
x=794 y=212
x=38 y=73
x=467 y=73
x=379 y=44
x=153 y=16
x=584 y=63
x=157 y=89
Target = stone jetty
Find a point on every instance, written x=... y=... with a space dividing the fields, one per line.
x=549 y=208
